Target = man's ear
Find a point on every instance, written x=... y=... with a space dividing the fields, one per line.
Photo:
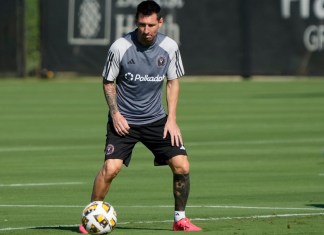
x=161 y=21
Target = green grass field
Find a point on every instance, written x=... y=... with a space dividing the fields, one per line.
x=256 y=151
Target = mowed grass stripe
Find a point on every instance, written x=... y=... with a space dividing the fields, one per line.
x=171 y=206
x=251 y=144
x=170 y=221
x=204 y=143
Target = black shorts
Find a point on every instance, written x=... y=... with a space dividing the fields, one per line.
x=151 y=135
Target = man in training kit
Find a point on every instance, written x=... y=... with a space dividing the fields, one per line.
x=136 y=67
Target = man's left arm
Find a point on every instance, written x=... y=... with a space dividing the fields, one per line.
x=171 y=126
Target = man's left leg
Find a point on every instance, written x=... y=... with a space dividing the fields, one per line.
x=181 y=187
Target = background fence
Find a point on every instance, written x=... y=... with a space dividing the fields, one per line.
x=216 y=37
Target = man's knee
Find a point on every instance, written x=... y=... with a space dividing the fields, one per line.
x=179 y=164
x=111 y=168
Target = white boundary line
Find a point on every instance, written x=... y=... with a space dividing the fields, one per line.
x=40 y=184
x=44 y=148
x=170 y=206
x=170 y=221
x=247 y=142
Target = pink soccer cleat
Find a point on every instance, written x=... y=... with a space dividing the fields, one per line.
x=82 y=229
x=185 y=225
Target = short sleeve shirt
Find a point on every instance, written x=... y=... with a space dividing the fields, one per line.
x=139 y=73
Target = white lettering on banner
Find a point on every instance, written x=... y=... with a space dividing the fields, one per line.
x=319 y=9
x=163 y=3
x=314 y=34
x=90 y=21
x=125 y=24
x=171 y=28
x=314 y=37
x=304 y=8
x=286 y=8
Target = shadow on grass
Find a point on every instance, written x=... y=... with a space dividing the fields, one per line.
x=76 y=229
x=141 y=228
x=61 y=228
x=316 y=205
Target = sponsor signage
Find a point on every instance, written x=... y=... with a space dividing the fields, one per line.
x=262 y=37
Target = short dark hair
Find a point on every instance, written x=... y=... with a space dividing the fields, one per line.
x=147 y=8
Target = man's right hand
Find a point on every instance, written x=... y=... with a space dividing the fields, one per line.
x=120 y=124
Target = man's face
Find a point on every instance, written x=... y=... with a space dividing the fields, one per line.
x=148 y=27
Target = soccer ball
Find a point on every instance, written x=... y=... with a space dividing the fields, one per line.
x=99 y=218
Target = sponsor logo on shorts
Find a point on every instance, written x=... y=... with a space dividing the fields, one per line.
x=110 y=149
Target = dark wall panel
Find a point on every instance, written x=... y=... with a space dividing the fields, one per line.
x=12 y=54
x=216 y=37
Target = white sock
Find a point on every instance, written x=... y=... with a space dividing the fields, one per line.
x=179 y=215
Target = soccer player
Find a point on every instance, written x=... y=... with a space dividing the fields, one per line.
x=136 y=67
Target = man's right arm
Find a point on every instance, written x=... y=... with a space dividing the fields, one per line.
x=120 y=123
x=111 y=98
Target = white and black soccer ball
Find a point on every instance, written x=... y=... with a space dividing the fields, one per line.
x=99 y=218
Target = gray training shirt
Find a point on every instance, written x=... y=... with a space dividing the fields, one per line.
x=139 y=73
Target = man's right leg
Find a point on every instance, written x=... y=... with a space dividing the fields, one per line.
x=102 y=182
x=104 y=178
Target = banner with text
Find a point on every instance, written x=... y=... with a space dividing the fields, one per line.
x=216 y=37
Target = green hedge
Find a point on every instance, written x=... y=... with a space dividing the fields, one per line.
x=32 y=36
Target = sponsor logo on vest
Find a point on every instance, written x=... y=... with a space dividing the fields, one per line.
x=145 y=78
x=129 y=76
x=161 y=61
